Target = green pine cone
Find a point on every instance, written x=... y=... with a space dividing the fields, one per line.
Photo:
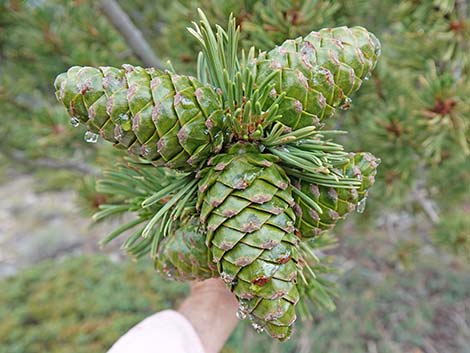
x=246 y=204
x=183 y=254
x=336 y=203
x=169 y=119
x=318 y=73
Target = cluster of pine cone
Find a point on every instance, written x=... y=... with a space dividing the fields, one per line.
x=252 y=208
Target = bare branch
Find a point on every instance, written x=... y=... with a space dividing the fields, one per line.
x=420 y=195
x=131 y=34
x=428 y=206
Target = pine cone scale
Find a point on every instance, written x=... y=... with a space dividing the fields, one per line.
x=155 y=115
x=247 y=241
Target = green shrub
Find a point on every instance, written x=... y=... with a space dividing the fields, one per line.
x=85 y=304
x=78 y=305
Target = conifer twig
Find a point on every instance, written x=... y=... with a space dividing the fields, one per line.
x=131 y=34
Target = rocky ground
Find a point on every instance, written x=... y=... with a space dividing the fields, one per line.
x=38 y=225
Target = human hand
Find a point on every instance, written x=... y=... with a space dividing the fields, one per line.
x=211 y=308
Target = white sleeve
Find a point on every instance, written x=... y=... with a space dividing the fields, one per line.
x=165 y=332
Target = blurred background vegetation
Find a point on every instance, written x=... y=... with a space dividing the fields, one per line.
x=403 y=279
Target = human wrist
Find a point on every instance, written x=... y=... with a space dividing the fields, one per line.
x=211 y=309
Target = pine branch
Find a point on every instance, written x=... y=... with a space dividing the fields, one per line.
x=131 y=34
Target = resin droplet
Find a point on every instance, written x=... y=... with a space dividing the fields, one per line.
x=368 y=76
x=258 y=328
x=226 y=277
x=241 y=313
x=145 y=151
x=168 y=273
x=91 y=137
x=74 y=121
x=118 y=133
x=361 y=206
x=346 y=104
x=298 y=107
x=126 y=123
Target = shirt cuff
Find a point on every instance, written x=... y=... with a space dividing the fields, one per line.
x=167 y=331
